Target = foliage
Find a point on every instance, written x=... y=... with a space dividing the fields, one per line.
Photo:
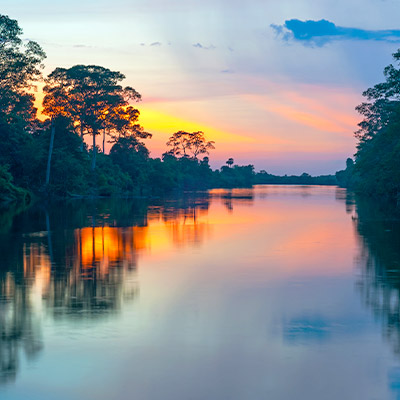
x=230 y=162
x=189 y=144
x=20 y=65
x=8 y=191
x=131 y=155
x=377 y=167
x=92 y=97
x=90 y=100
x=345 y=177
x=238 y=176
x=109 y=179
x=264 y=177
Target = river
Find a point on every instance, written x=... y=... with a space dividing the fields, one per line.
x=276 y=292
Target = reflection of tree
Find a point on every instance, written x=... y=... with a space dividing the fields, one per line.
x=19 y=329
x=379 y=283
x=230 y=197
x=183 y=218
x=346 y=196
x=79 y=260
x=101 y=273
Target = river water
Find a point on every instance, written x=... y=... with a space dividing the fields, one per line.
x=276 y=292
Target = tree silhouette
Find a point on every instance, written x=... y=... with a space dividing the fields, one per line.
x=189 y=144
x=89 y=95
x=230 y=162
x=122 y=123
x=20 y=68
x=377 y=166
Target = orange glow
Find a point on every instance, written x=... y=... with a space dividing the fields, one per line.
x=37 y=265
x=103 y=247
x=164 y=123
x=285 y=122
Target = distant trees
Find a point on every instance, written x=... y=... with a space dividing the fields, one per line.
x=189 y=144
x=238 y=176
x=345 y=176
x=92 y=97
x=230 y=162
x=90 y=100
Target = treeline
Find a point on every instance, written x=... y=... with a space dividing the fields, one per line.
x=264 y=178
x=52 y=157
x=376 y=170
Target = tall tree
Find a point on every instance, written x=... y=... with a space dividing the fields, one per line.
x=20 y=68
x=189 y=144
x=88 y=94
x=377 y=167
x=122 y=122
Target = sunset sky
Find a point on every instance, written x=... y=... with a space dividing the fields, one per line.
x=270 y=88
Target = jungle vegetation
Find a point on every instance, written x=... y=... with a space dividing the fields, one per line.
x=376 y=169
x=52 y=158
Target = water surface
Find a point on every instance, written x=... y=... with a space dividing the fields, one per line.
x=269 y=293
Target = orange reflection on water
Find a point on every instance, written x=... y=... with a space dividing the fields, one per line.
x=103 y=247
x=37 y=266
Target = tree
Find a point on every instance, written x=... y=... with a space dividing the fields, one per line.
x=122 y=123
x=377 y=166
x=383 y=105
x=20 y=67
x=230 y=162
x=131 y=155
x=89 y=95
x=186 y=144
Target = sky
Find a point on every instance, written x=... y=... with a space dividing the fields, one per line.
x=274 y=83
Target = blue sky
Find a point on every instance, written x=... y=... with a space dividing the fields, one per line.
x=268 y=89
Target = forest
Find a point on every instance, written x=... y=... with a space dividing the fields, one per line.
x=375 y=172
x=88 y=104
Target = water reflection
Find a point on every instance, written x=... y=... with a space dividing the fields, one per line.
x=264 y=277
x=79 y=261
x=379 y=283
x=19 y=327
x=237 y=196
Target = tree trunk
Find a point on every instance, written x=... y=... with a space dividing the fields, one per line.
x=49 y=237
x=104 y=140
x=53 y=131
x=81 y=136
x=94 y=152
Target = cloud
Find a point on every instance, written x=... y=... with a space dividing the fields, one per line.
x=82 y=46
x=321 y=32
x=227 y=71
x=200 y=46
x=154 y=44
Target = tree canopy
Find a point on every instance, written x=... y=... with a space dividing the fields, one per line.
x=92 y=97
x=189 y=144
x=20 y=69
x=377 y=167
x=91 y=100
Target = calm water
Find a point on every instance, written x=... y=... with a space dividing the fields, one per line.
x=271 y=293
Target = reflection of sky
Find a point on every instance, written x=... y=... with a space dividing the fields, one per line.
x=259 y=304
x=220 y=67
